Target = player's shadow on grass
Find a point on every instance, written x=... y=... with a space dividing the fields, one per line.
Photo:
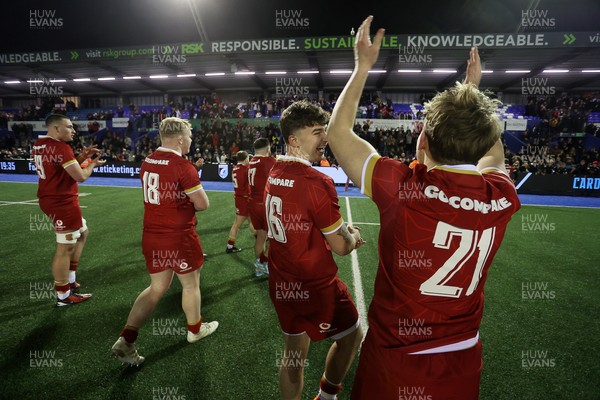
x=169 y=351
x=227 y=289
x=28 y=309
x=36 y=339
x=128 y=374
x=126 y=380
x=116 y=272
x=209 y=231
x=211 y=294
x=241 y=258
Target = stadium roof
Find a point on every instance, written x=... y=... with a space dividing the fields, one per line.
x=48 y=42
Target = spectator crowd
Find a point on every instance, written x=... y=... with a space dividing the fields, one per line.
x=550 y=147
x=218 y=136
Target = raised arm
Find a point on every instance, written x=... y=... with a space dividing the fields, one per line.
x=473 y=68
x=494 y=158
x=349 y=150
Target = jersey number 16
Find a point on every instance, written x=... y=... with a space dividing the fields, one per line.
x=274 y=208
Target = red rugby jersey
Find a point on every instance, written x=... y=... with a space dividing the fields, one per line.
x=258 y=170
x=239 y=176
x=51 y=158
x=440 y=230
x=167 y=179
x=301 y=207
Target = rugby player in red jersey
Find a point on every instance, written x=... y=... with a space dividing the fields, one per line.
x=442 y=222
x=304 y=227
x=172 y=195
x=59 y=171
x=241 y=189
x=258 y=170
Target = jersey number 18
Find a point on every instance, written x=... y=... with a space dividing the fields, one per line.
x=151 y=184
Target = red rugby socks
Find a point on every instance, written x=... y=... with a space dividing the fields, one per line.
x=195 y=328
x=328 y=390
x=130 y=333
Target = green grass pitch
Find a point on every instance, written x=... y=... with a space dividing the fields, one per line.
x=540 y=331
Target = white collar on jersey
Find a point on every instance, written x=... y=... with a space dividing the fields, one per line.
x=47 y=137
x=291 y=158
x=169 y=150
x=459 y=167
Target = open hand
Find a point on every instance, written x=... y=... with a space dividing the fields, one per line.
x=473 y=68
x=365 y=52
x=88 y=152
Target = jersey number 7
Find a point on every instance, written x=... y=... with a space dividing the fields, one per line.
x=470 y=241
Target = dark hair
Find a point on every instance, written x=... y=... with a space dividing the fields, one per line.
x=54 y=118
x=261 y=143
x=241 y=156
x=299 y=115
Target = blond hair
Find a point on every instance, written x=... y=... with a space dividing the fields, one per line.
x=461 y=125
x=172 y=127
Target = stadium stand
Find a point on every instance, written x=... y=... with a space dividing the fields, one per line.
x=225 y=128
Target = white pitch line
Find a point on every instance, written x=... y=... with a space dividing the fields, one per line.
x=12 y=203
x=358 y=288
x=366 y=223
x=26 y=202
x=523 y=180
